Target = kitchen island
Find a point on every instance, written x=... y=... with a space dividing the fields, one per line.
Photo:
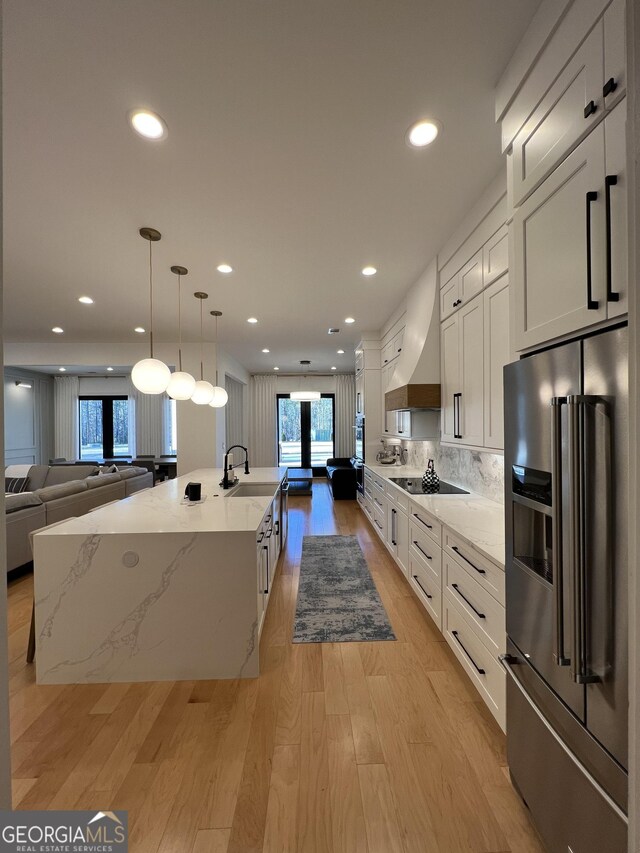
x=154 y=588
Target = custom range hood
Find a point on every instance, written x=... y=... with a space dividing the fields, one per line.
x=415 y=382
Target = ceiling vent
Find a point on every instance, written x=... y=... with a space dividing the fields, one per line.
x=333 y=331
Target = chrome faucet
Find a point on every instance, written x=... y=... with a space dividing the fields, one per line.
x=225 y=482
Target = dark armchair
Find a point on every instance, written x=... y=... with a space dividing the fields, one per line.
x=342 y=478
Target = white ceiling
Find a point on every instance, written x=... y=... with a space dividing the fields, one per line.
x=285 y=158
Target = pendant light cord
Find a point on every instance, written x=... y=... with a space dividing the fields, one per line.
x=150 y=301
x=201 y=344
x=216 y=350
x=179 y=327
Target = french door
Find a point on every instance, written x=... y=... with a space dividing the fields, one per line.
x=306 y=431
x=104 y=427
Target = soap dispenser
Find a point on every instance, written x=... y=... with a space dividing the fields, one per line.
x=430 y=480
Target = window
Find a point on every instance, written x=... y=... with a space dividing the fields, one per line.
x=305 y=431
x=104 y=427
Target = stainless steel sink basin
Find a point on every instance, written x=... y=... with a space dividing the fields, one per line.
x=253 y=490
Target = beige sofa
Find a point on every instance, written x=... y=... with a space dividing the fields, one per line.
x=63 y=491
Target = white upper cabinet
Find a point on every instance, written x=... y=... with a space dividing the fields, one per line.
x=496 y=355
x=461 y=287
x=584 y=90
x=462 y=375
x=470 y=405
x=615 y=77
x=570 y=241
x=449 y=296
x=386 y=354
x=495 y=256
x=450 y=378
x=470 y=281
x=615 y=192
x=566 y=114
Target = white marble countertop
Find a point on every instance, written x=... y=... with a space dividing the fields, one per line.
x=474 y=518
x=163 y=509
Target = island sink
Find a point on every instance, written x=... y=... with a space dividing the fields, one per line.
x=253 y=490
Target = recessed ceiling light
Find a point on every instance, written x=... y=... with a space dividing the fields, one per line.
x=139 y=330
x=148 y=124
x=265 y=350
x=369 y=271
x=252 y=320
x=422 y=133
x=57 y=330
x=349 y=320
x=225 y=268
x=109 y=369
x=62 y=369
x=340 y=352
x=334 y=368
x=86 y=300
x=276 y=368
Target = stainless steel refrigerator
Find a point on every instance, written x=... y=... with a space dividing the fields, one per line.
x=566 y=475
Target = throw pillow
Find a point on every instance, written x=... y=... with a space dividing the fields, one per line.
x=15 y=485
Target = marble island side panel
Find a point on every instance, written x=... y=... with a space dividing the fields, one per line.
x=145 y=606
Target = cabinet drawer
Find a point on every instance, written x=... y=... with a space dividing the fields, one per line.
x=480 y=665
x=379 y=502
x=368 y=508
x=488 y=575
x=427 y=589
x=400 y=499
x=425 y=550
x=426 y=522
x=380 y=521
x=379 y=482
x=479 y=606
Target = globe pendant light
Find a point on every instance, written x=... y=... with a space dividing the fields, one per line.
x=181 y=385
x=150 y=375
x=304 y=395
x=220 y=396
x=203 y=391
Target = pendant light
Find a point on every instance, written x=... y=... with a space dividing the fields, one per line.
x=304 y=395
x=220 y=395
x=150 y=375
x=181 y=385
x=203 y=390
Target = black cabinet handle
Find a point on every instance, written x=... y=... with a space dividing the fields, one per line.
x=415 y=515
x=590 y=109
x=415 y=577
x=609 y=181
x=266 y=548
x=393 y=514
x=456 y=303
x=424 y=553
x=400 y=350
x=378 y=525
x=457 y=639
x=456 y=415
x=261 y=538
x=609 y=87
x=473 y=566
x=592 y=304
x=464 y=598
x=386 y=360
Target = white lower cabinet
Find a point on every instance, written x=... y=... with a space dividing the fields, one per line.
x=461 y=589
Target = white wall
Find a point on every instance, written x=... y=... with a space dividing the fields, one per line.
x=28 y=417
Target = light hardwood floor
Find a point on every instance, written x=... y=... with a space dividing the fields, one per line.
x=343 y=747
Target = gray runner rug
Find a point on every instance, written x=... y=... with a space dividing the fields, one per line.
x=337 y=599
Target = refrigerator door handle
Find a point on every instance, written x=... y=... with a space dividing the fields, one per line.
x=556 y=530
x=576 y=408
x=507 y=662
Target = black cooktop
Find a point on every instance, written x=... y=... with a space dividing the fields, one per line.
x=414 y=487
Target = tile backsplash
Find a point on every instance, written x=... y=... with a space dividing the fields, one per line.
x=480 y=472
